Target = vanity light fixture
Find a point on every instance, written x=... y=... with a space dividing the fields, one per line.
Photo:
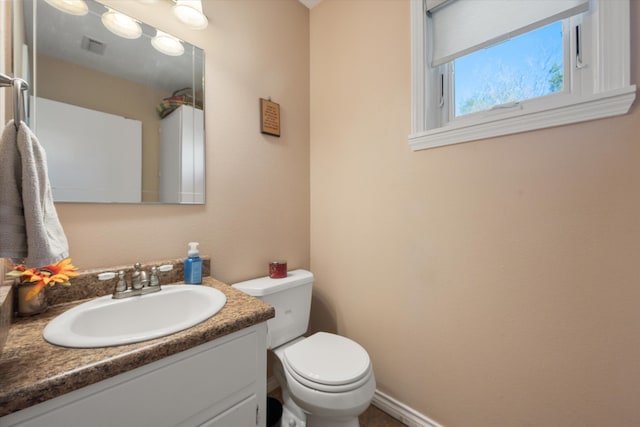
x=72 y=7
x=190 y=13
x=167 y=44
x=121 y=24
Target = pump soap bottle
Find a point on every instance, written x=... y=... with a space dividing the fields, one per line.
x=193 y=265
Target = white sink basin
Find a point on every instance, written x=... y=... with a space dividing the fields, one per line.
x=105 y=321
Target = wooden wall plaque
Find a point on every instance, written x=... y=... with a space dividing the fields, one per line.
x=269 y=117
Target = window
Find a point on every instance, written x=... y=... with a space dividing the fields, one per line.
x=493 y=67
x=501 y=76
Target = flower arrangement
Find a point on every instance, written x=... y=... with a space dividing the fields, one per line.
x=59 y=272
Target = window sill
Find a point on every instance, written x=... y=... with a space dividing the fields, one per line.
x=607 y=104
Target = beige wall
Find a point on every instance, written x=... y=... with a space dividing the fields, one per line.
x=494 y=283
x=257 y=186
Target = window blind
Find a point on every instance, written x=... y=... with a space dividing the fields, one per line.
x=459 y=27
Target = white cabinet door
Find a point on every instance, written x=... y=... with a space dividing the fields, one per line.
x=244 y=414
x=224 y=379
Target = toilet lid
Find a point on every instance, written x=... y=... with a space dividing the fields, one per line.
x=328 y=359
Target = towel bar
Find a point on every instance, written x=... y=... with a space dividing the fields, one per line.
x=19 y=86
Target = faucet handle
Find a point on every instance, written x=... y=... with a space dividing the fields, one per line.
x=121 y=286
x=154 y=280
x=166 y=267
x=107 y=275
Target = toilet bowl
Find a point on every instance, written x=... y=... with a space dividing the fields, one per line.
x=326 y=380
x=328 y=376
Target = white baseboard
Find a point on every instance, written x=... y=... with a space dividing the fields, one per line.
x=387 y=404
x=401 y=412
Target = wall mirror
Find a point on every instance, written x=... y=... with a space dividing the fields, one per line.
x=121 y=118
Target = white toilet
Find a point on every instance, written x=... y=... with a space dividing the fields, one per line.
x=326 y=380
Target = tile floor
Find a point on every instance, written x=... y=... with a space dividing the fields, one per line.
x=372 y=417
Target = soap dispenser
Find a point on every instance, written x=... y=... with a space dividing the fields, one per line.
x=193 y=265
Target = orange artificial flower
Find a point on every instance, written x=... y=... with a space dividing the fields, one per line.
x=60 y=272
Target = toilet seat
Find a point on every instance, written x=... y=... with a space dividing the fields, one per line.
x=328 y=362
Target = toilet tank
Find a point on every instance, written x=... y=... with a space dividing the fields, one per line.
x=291 y=298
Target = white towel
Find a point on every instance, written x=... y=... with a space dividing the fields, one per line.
x=30 y=231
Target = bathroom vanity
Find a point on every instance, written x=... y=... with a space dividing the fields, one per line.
x=213 y=374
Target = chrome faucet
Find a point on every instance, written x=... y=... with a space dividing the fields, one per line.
x=139 y=278
x=141 y=284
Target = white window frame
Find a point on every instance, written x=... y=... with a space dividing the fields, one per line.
x=601 y=89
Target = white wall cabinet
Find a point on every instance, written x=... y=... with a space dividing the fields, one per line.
x=218 y=384
x=182 y=156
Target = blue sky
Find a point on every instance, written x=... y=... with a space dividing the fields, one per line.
x=522 y=55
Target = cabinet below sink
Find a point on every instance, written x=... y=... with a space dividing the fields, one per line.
x=219 y=383
x=40 y=379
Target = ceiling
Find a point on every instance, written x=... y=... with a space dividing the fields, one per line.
x=310 y=3
x=60 y=36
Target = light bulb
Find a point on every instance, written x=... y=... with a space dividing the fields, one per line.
x=190 y=13
x=121 y=25
x=167 y=44
x=72 y=7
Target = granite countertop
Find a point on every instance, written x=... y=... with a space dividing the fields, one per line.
x=33 y=371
